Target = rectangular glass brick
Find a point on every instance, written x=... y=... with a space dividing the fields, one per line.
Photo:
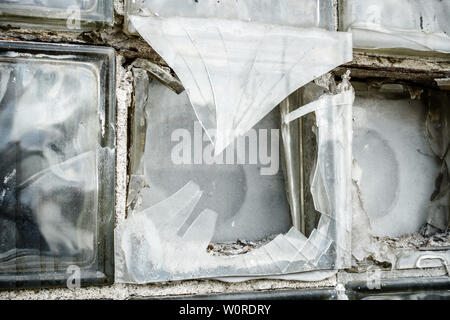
x=57 y=14
x=57 y=165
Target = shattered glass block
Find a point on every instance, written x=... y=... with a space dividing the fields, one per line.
x=394 y=154
x=244 y=184
x=419 y=25
x=57 y=165
x=57 y=14
x=297 y=13
x=194 y=214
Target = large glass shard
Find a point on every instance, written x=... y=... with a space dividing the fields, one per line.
x=297 y=13
x=57 y=14
x=167 y=238
x=57 y=164
x=412 y=24
x=397 y=163
x=236 y=72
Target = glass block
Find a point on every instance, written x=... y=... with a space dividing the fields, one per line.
x=57 y=167
x=298 y=13
x=57 y=14
x=419 y=25
x=391 y=139
x=190 y=212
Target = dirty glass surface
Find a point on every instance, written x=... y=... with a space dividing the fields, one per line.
x=298 y=13
x=57 y=164
x=412 y=24
x=390 y=139
x=57 y=14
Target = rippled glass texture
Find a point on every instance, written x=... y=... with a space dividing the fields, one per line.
x=57 y=163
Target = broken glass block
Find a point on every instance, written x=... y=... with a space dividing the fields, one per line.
x=57 y=14
x=420 y=25
x=391 y=139
x=57 y=164
x=298 y=13
x=190 y=212
x=245 y=184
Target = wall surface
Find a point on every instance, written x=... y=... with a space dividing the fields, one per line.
x=129 y=48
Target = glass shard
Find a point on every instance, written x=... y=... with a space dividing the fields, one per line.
x=236 y=72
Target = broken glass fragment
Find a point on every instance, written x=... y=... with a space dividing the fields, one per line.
x=57 y=164
x=412 y=24
x=57 y=14
x=235 y=72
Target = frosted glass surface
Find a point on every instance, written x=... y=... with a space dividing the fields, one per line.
x=414 y=24
x=236 y=72
x=398 y=165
